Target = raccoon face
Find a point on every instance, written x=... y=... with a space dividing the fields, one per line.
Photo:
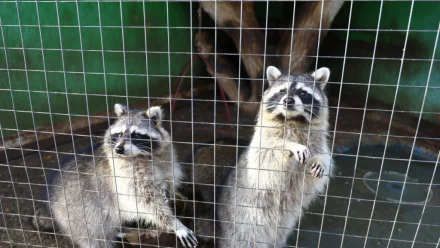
x=137 y=132
x=295 y=97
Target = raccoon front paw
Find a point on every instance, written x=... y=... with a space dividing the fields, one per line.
x=317 y=170
x=165 y=195
x=300 y=152
x=187 y=237
x=151 y=234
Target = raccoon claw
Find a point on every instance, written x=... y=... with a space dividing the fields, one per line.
x=165 y=195
x=317 y=170
x=300 y=152
x=187 y=237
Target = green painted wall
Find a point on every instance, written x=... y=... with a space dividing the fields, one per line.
x=395 y=16
x=95 y=82
x=419 y=51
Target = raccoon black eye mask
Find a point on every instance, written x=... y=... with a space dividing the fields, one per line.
x=144 y=141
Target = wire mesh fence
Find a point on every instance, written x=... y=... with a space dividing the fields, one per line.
x=163 y=124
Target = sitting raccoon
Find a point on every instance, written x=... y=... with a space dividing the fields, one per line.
x=260 y=204
x=91 y=199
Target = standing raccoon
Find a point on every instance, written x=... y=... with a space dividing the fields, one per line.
x=262 y=202
x=90 y=200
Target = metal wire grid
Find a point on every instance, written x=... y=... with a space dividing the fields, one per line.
x=215 y=124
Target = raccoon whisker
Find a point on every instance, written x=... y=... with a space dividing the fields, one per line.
x=145 y=152
x=272 y=102
x=272 y=107
x=309 y=106
x=153 y=157
x=142 y=146
x=139 y=155
x=106 y=150
x=315 y=111
x=312 y=111
x=145 y=149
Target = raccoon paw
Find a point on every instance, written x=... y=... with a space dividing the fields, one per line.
x=151 y=234
x=317 y=170
x=300 y=152
x=187 y=237
x=165 y=195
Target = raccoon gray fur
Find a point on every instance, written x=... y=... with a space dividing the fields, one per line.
x=271 y=186
x=211 y=166
x=210 y=161
x=131 y=181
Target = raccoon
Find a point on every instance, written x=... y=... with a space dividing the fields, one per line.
x=284 y=166
x=132 y=181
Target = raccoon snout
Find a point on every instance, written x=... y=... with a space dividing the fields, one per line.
x=289 y=100
x=120 y=149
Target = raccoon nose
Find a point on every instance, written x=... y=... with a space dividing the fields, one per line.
x=289 y=100
x=119 y=150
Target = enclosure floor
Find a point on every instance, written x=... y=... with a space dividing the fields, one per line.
x=198 y=128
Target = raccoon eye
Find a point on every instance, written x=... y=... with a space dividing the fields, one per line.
x=116 y=136
x=302 y=93
x=136 y=136
x=283 y=91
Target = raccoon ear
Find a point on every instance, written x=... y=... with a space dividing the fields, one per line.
x=272 y=74
x=155 y=114
x=120 y=109
x=321 y=75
